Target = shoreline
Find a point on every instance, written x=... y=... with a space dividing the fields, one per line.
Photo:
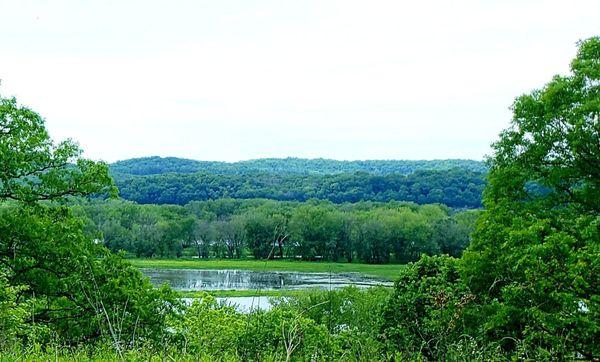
x=386 y=272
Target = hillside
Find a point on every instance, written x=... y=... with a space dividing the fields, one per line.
x=155 y=180
x=318 y=166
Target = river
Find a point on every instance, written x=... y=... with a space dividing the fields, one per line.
x=195 y=280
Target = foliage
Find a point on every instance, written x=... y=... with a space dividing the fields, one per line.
x=55 y=282
x=12 y=314
x=76 y=287
x=429 y=309
x=534 y=260
x=300 y=166
x=455 y=187
x=346 y=309
x=314 y=230
x=317 y=325
x=34 y=168
x=284 y=332
x=211 y=328
x=526 y=288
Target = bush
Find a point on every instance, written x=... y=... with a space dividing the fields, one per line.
x=283 y=332
x=210 y=327
x=428 y=309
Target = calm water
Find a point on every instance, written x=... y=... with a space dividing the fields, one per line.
x=188 y=279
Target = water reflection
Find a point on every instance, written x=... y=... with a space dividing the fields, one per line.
x=188 y=279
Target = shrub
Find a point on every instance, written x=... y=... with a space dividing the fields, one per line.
x=428 y=309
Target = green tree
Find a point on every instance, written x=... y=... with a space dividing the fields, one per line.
x=371 y=239
x=34 y=168
x=70 y=284
x=203 y=236
x=314 y=232
x=13 y=315
x=453 y=233
x=232 y=234
x=534 y=260
x=266 y=230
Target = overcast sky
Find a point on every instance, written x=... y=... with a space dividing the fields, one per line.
x=234 y=80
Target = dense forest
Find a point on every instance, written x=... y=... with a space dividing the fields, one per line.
x=300 y=166
x=527 y=287
x=456 y=187
x=265 y=229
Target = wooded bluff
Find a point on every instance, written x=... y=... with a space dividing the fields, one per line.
x=155 y=180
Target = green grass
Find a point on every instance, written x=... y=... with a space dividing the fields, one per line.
x=385 y=271
x=246 y=293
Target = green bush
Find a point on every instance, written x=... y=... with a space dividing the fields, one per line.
x=429 y=309
x=283 y=332
x=209 y=327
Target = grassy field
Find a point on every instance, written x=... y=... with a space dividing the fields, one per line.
x=385 y=271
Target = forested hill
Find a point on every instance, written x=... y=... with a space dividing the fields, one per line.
x=319 y=166
x=155 y=180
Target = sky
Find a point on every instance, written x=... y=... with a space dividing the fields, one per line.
x=236 y=80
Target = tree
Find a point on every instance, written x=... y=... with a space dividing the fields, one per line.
x=314 y=231
x=69 y=284
x=35 y=169
x=455 y=187
x=453 y=233
x=411 y=232
x=233 y=235
x=13 y=315
x=266 y=233
x=344 y=242
x=534 y=259
x=371 y=238
x=203 y=236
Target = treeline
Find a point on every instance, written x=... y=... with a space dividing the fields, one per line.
x=457 y=188
x=315 y=230
x=159 y=165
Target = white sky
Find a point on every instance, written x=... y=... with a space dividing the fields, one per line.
x=233 y=80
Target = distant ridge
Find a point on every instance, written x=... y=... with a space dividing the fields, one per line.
x=156 y=165
x=171 y=180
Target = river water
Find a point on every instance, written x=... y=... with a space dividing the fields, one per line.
x=194 y=279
